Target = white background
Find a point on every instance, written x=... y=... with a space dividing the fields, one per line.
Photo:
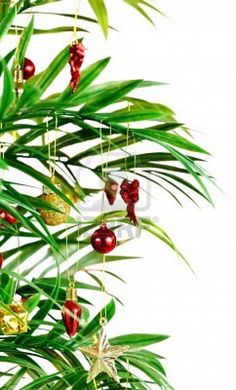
x=194 y=51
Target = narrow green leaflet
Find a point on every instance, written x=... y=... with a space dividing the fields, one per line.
x=7 y=20
x=99 y=8
x=7 y=95
x=24 y=41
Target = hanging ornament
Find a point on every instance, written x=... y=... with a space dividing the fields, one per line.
x=130 y=194
x=28 y=69
x=76 y=60
x=13 y=324
x=103 y=240
x=51 y=217
x=71 y=311
x=111 y=189
x=103 y=357
x=18 y=78
x=1 y=260
x=7 y=217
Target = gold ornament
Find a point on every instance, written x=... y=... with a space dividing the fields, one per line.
x=103 y=357
x=13 y=324
x=51 y=217
x=18 y=77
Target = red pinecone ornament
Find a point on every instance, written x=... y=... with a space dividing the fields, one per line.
x=130 y=195
x=76 y=60
x=7 y=217
x=111 y=189
x=28 y=69
x=1 y=260
x=71 y=311
x=103 y=240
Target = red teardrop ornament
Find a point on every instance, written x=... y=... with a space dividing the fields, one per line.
x=1 y=260
x=10 y=219
x=7 y=217
x=103 y=240
x=28 y=69
x=111 y=188
x=71 y=313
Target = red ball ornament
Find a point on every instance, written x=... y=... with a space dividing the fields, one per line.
x=28 y=69
x=71 y=311
x=1 y=260
x=103 y=240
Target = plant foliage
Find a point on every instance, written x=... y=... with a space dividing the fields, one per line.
x=99 y=115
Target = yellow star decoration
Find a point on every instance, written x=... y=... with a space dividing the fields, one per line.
x=103 y=357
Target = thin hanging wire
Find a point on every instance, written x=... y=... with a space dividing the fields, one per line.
x=102 y=169
x=52 y=147
x=103 y=314
x=127 y=143
x=75 y=29
x=71 y=278
x=18 y=260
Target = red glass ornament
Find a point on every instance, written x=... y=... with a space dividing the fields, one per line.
x=130 y=195
x=77 y=53
x=111 y=188
x=1 y=260
x=28 y=69
x=71 y=314
x=103 y=240
x=7 y=217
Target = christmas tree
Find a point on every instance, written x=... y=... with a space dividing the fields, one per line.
x=49 y=337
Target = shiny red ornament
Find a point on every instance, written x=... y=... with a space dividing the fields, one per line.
x=7 y=217
x=111 y=189
x=71 y=314
x=1 y=260
x=71 y=311
x=130 y=194
x=76 y=59
x=103 y=240
x=28 y=69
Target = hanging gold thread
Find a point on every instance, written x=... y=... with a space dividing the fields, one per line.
x=127 y=143
x=103 y=316
x=18 y=259
x=52 y=155
x=70 y=279
x=74 y=35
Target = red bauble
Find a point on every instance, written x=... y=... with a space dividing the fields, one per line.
x=103 y=240
x=7 y=217
x=71 y=313
x=1 y=260
x=28 y=69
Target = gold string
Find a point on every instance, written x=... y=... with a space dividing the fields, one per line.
x=102 y=168
x=127 y=143
x=74 y=35
x=103 y=316
x=18 y=259
x=55 y=145
x=49 y=147
x=52 y=156
x=70 y=279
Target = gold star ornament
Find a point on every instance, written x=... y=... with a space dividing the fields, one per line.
x=103 y=357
